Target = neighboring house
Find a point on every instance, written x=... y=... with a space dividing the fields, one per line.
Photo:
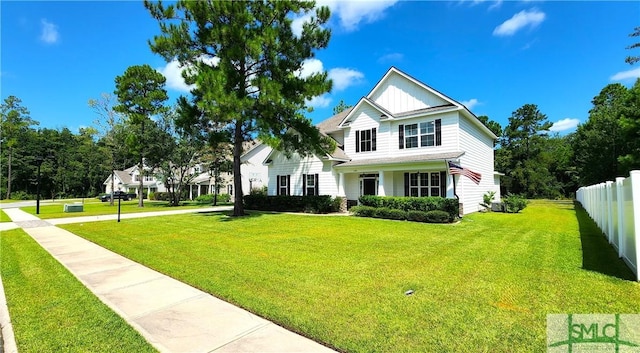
x=398 y=140
x=254 y=172
x=202 y=184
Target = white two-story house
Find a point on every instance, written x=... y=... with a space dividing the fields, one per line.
x=398 y=140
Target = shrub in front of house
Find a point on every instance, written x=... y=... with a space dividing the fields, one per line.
x=390 y=213
x=362 y=211
x=437 y=216
x=424 y=204
x=514 y=203
x=284 y=203
x=416 y=216
x=208 y=198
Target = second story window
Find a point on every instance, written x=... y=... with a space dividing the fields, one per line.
x=424 y=134
x=427 y=134
x=366 y=140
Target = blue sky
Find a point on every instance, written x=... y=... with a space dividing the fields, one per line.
x=493 y=56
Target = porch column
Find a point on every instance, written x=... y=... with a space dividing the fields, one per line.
x=341 y=185
x=381 y=191
x=191 y=192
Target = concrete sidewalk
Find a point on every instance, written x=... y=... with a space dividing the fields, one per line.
x=172 y=316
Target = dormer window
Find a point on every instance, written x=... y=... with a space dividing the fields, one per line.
x=366 y=140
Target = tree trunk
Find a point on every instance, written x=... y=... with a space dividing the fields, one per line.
x=141 y=184
x=9 y=174
x=238 y=207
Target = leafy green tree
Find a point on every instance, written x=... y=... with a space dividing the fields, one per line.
x=494 y=126
x=632 y=59
x=15 y=121
x=629 y=159
x=175 y=154
x=141 y=94
x=342 y=106
x=110 y=131
x=599 y=142
x=245 y=61
x=521 y=153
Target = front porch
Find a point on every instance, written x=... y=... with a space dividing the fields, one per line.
x=418 y=176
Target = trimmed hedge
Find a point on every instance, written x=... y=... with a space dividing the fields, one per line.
x=390 y=213
x=437 y=216
x=434 y=216
x=284 y=203
x=208 y=198
x=424 y=204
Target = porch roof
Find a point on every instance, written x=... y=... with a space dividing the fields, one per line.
x=401 y=159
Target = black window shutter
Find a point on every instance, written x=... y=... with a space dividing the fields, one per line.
x=443 y=184
x=406 y=184
x=373 y=139
x=317 y=189
x=304 y=184
x=357 y=140
x=438 y=132
x=401 y=135
x=288 y=184
x=278 y=185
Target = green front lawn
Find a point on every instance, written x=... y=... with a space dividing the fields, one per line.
x=51 y=311
x=485 y=284
x=93 y=208
x=4 y=217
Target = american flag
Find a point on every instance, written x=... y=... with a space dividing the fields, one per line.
x=456 y=169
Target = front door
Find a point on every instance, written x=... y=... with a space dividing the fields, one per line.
x=369 y=186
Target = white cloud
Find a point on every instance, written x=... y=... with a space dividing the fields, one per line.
x=296 y=24
x=353 y=13
x=391 y=57
x=495 y=4
x=350 y=13
x=173 y=72
x=322 y=101
x=626 y=75
x=310 y=67
x=564 y=124
x=522 y=19
x=470 y=103
x=49 y=32
x=343 y=78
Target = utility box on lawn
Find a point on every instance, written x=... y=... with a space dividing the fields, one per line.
x=73 y=207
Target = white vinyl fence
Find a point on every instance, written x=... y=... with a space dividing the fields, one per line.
x=615 y=207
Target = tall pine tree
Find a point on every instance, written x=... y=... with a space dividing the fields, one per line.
x=245 y=62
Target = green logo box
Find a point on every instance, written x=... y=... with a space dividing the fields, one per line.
x=593 y=333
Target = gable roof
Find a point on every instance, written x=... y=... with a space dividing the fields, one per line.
x=451 y=104
x=332 y=124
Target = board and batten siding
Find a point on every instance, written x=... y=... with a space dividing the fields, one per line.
x=296 y=167
x=399 y=95
x=478 y=157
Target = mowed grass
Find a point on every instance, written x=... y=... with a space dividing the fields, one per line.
x=4 y=217
x=97 y=208
x=51 y=311
x=485 y=284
